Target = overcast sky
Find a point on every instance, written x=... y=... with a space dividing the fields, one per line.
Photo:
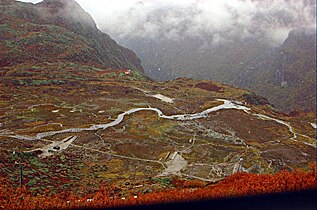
x=222 y=18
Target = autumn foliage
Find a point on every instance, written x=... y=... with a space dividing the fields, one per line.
x=239 y=184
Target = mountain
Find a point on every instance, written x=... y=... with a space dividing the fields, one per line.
x=197 y=58
x=286 y=75
x=60 y=26
x=77 y=124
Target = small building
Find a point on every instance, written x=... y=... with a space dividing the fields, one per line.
x=127 y=72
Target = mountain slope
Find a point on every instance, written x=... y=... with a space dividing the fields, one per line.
x=195 y=57
x=58 y=20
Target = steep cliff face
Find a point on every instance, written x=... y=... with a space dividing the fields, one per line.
x=285 y=75
x=45 y=24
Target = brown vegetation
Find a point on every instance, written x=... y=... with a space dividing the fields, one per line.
x=209 y=87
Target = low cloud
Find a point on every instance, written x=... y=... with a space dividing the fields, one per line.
x=223 y=20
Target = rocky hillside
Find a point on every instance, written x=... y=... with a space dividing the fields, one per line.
x=286 y=75
x=57 y=30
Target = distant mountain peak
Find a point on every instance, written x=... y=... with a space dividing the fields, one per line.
x=300 y=38
x=302 y=32
x=59 y=3
x=67 y=9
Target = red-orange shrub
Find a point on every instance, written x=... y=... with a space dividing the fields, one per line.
x=193 y=184
x=239 y=184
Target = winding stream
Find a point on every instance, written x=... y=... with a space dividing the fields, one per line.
x=226 y=105
x=290 y=128
x=181 y=117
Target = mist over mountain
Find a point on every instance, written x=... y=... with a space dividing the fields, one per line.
x=222 y=20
